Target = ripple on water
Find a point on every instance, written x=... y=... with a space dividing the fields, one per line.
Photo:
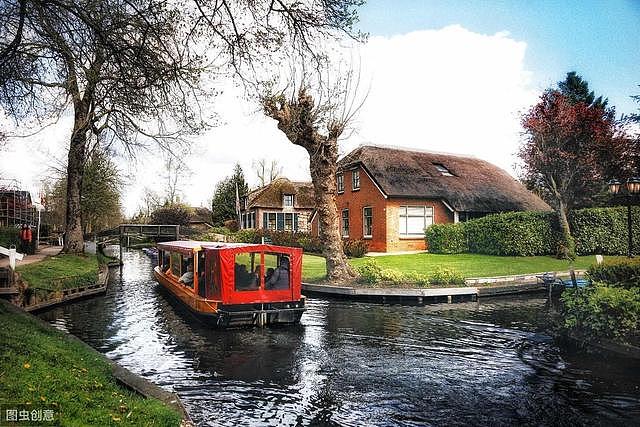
x=357 y=364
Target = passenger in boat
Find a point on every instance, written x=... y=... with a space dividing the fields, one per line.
x=187 y=278
x=268 y=275
x=280 y=277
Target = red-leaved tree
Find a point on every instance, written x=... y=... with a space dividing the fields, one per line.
x=570 y=149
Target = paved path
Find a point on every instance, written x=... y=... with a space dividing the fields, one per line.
x=42 y=253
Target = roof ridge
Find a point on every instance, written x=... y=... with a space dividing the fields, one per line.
x=418 y=150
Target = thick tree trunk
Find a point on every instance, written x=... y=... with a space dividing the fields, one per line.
x=74 y=241
x=322 y=166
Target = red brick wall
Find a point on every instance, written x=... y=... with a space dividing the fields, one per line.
x=367 y=196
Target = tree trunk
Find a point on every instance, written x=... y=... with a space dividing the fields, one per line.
x=322 y=166
x=74 y=241
x=568 y=249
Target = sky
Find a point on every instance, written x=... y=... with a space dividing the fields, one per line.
x=450 y=76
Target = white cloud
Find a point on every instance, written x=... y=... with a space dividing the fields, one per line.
x=445 y=90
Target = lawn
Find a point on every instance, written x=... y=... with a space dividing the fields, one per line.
x=469 y=265
x=45 y=369
x=61 y=272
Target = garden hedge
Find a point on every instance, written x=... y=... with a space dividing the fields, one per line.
x=621 y=273
x=10 y=236
x=595 y=230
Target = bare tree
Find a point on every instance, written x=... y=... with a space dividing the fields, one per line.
x=316 y=125
x=266 y=170
x=130 y=69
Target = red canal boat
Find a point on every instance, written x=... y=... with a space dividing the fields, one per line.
x=234 y=284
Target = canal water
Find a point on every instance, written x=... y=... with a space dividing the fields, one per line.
x=354 y=364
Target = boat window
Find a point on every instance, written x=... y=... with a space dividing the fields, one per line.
x=247 y=271
x=277 y=271
x=187 y=272
x=176 y=264
x=201 y=276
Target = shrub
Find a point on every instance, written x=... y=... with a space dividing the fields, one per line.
x=513 y=234
x=600 y=311
x=446 y=276
x=355 y=248
x=372 y=273
x=173 y=214
x=248 y=236
x=623 y=273
x=231 y=224
x=9 y=236
x=446 y=238
x=604 y=230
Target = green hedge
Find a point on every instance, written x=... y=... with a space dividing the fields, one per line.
x=622 y=273
x=604 y=230
x=446 y=238
x=10 y=236
x=513 y=234
x=595 y=230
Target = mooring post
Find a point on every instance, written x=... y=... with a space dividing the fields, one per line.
x=449 y=299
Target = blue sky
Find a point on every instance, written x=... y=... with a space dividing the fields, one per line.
x=598 y=39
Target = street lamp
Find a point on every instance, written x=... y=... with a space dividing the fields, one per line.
x=631 y=188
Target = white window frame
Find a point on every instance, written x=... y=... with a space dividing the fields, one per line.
x=340 y=182
x=342 y=228
x=364 y=223
x=405 y=217
x=355 y=173
x=284 y=198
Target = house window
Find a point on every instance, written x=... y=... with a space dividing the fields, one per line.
x=345 y=223
x=355 y=179
x=287 y=201
x=340 y=182
x=367 y=222
x=280 y=221
x=442 y=169
x=413 y=220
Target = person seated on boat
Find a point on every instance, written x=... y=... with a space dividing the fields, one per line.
x=187 y=278
x=268 y=275
x=255 y=278
x=242 y=277
x=280 y=277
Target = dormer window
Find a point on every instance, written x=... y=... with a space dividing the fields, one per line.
x=287 y=200
x=442 y=169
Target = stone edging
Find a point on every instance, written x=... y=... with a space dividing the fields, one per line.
x=122 y=375
x=514 y=279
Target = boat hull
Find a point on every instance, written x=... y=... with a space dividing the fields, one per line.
x=224 y=316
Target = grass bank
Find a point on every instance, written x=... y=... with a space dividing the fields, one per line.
x=41 y=366
x=469 y=265
x=62 y=271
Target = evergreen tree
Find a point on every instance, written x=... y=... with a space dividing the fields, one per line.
x=223 y=204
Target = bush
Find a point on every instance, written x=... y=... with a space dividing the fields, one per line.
x=623 y=273
x=446 y=276
x=599 y=311
x=604 y=230
x=446 y=238
x=595 y=231
x=231 y=224
x=10 y=236
x=513 y=234
x=173 y=214
x=372 y=273
x=299 y=239
x=355 y=248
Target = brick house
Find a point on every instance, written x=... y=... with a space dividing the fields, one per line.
x=388 y=196
x=281 y=205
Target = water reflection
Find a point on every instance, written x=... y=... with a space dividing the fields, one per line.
x=357 y=364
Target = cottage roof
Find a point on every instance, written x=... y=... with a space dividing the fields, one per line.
x=270 y=196
x=467 y=183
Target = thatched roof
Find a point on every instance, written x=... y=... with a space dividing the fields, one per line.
x=270 y=196
x=473 y=185
x=201 y=215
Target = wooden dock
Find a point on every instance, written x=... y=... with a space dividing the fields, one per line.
x=409 y=296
